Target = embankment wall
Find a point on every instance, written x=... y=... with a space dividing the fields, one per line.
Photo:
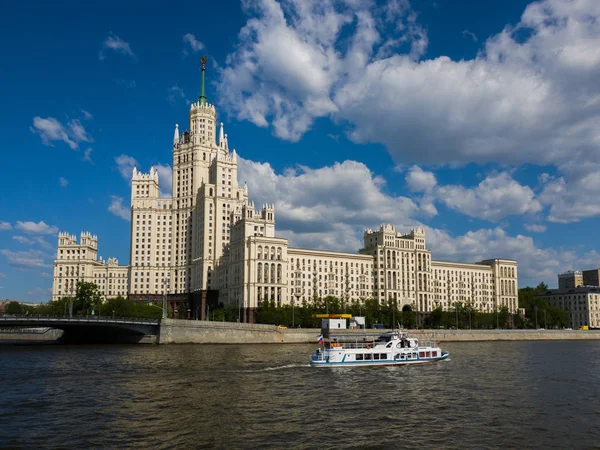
x=173 y=331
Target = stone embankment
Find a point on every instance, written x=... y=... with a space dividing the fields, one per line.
x=29 y=335
x=174 y=331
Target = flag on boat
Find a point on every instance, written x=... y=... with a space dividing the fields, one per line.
x=320 y=339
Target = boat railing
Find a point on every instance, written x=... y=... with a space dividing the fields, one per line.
x=423 y=344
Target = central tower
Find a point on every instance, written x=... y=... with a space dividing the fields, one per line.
x=193 y=151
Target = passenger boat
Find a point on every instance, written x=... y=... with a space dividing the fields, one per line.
x=388 y=349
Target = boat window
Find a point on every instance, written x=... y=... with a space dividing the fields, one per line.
x=434 y=354
x=414 y=355
x=359 y=357
x=389 y=345
x=421 y=354
x=428 y=354
x=375 y=355
x=383 y=356
x=368 y=356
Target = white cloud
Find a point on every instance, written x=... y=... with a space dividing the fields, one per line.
x=25 y=260
x=116 y=207
x=175 y=93
x=495 y=198
x=45 y=275
x=470 y=35
x=43 y=243
x=86 y=115
x=23 y=240
x=535 y=264
x=530 y=95
x=51 y=129
x=36 y=228
x=87 y=155
x=193 y=44
x=125 y=165
x=165 y=179
x=63 y=182
x=5 y=226
x=116 y=44
x=535 y=228
x=325 y=207
x=419 y=180
x=40 y=294
x=3 y=275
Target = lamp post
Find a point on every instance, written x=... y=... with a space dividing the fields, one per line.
x=497 y=320
x=456 y=311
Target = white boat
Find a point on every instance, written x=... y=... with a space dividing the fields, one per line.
x=388 y=349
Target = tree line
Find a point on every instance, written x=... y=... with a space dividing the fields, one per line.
x=88 y=300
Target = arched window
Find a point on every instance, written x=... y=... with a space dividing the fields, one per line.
x=279 y=253
x=272 y=273
x=259 y=252
x=272 y=253
x=266 y=273
x=278 y=273
x=266 y=252
x=259 y=273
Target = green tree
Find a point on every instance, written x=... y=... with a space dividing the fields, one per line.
x=14 y=308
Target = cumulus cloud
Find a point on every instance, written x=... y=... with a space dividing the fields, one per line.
x=116 y=207
x=535 y=228
x=63 y=182
x=36 y=228
x=165 y=179
x=191 y=44
x=23 y=240
x=326 y=207
x=51 y=129
x=87 y=155
x=535 y=264
x=529 y=95
x=5 y=226
x=419 y=180
x=116 y=44
x=30 y=259
x=125 y=165
x=495 y=198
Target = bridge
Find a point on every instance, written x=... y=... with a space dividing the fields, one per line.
x=89 y=329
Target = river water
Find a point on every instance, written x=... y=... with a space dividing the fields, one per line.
x=488 y=395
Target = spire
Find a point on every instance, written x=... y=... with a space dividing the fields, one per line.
x=221 y=138
x=176 y=135
x=202 y=99
x=226 y=144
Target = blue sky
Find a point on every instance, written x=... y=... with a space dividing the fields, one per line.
x=478 y=120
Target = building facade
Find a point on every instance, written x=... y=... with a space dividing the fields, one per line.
x=570 y=279
x=79 y=261
x=581 y=304
x=208 y=236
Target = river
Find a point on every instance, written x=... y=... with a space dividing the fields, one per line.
x=488 y=395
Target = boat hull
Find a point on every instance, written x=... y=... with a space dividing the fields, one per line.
x=324 y=363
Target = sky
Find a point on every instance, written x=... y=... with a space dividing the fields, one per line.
x=478 y=120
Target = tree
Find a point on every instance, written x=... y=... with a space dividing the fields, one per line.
x=14 y=308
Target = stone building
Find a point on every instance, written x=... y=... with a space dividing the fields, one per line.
x=208 y=237
x=581 y=304
x=79 y=261
x=570 y=279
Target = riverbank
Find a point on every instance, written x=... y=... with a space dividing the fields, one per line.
x=174 y=331
x=29 y=336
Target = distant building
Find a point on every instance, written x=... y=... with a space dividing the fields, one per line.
x=581 y=304
x=591 y=277
x=570 y=279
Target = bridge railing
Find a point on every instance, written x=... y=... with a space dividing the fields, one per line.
x=86 y=318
